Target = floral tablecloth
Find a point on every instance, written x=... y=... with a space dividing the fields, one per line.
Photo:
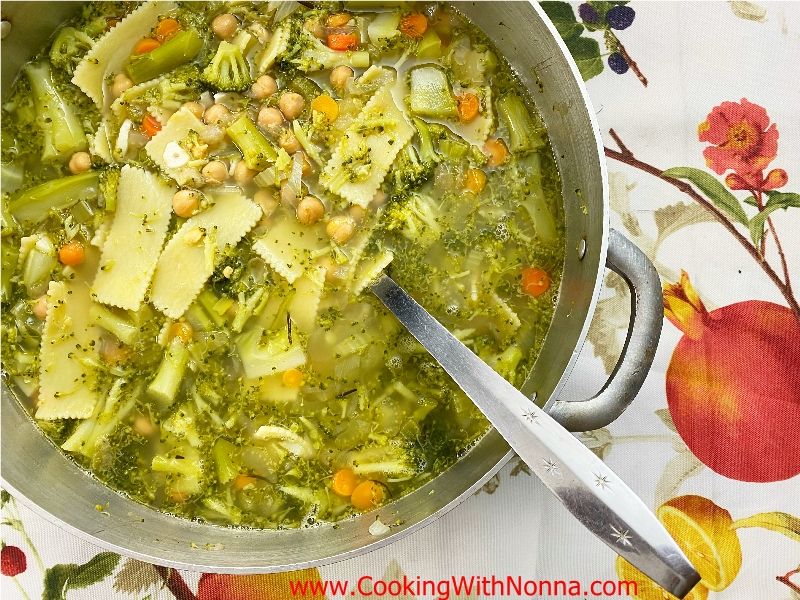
x=698 y=104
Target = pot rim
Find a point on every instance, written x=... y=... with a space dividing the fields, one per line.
x=206 y=561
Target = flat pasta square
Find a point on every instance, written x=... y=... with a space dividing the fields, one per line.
x=134 y=242
x=289 y=246
x=367 y=149
x=68 y=386
x=111 y=51
x=190 y=255
x=176 y=161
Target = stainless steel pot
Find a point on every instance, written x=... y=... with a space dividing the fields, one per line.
x=37 y=473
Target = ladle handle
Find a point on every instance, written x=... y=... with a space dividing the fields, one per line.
x=584 y=484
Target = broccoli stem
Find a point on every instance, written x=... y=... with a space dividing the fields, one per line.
x=10 y=252
x=525 y=134
x=198 y=318
x=257 y=151
x=430 y=94
x=61 y=128
x=306 y=87
x=34 y=204
x=427 y=152
x=176 y=466
x=164 y=386
x=182 y=48
x=109 y=320
x=208 y=300
x=224 y=452
x=39 y=265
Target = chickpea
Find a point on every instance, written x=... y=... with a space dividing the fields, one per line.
x=291 y=105
x=266 y=200
x=340 y=229
x=288 y=141
x=269 y=116
x=217 y=114
x=195 y=108
x=185 y=203
x=40 y=307
x=144 y=426
x=114 y=352
x=120 y=83
x=80 y=162
x=340 y=76
x=379 y=199
x=215 y=172
x=242 y=174
x=357 y=213
x=310 y=210
x=333 y=273
x=224 y=26
x=263 y=87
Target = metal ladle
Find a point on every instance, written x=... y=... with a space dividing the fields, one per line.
x=593 y=493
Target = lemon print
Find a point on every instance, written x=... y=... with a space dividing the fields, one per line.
x=703 y=531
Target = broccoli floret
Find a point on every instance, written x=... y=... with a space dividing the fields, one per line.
x=391 y=460
x=108 y=415
x=182 y=85
x=185 y=469
x=183 y=47
x=228 y=71
x=306 y=53
x=69 y=48
x=258 y=153
x=60 y=126
x=416 y=217
x=117 y=459
x=408 y=172
x=415 y=166
x=526 y=133
x=276 y=355
x=109 y=180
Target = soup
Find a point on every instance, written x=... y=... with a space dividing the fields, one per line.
x=196 y=199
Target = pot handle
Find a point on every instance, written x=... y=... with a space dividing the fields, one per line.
x=647 y=315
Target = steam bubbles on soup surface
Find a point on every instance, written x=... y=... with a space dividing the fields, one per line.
x=196 y=198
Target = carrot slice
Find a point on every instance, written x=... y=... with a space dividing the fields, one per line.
x=292 y=378
x=344 y=482
x=150 y=126
x=468 y=107
x=535 y=281
x=496 y=152
x=71 y=254
x=414 y=25
x=166 y=28
x=368 y=495
x=475 y=181
x=326 y=105
x=342 y=41
x=182 y=330
x=146 y=45
x=241 y=481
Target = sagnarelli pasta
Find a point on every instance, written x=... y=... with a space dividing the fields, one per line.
x=196 y=198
